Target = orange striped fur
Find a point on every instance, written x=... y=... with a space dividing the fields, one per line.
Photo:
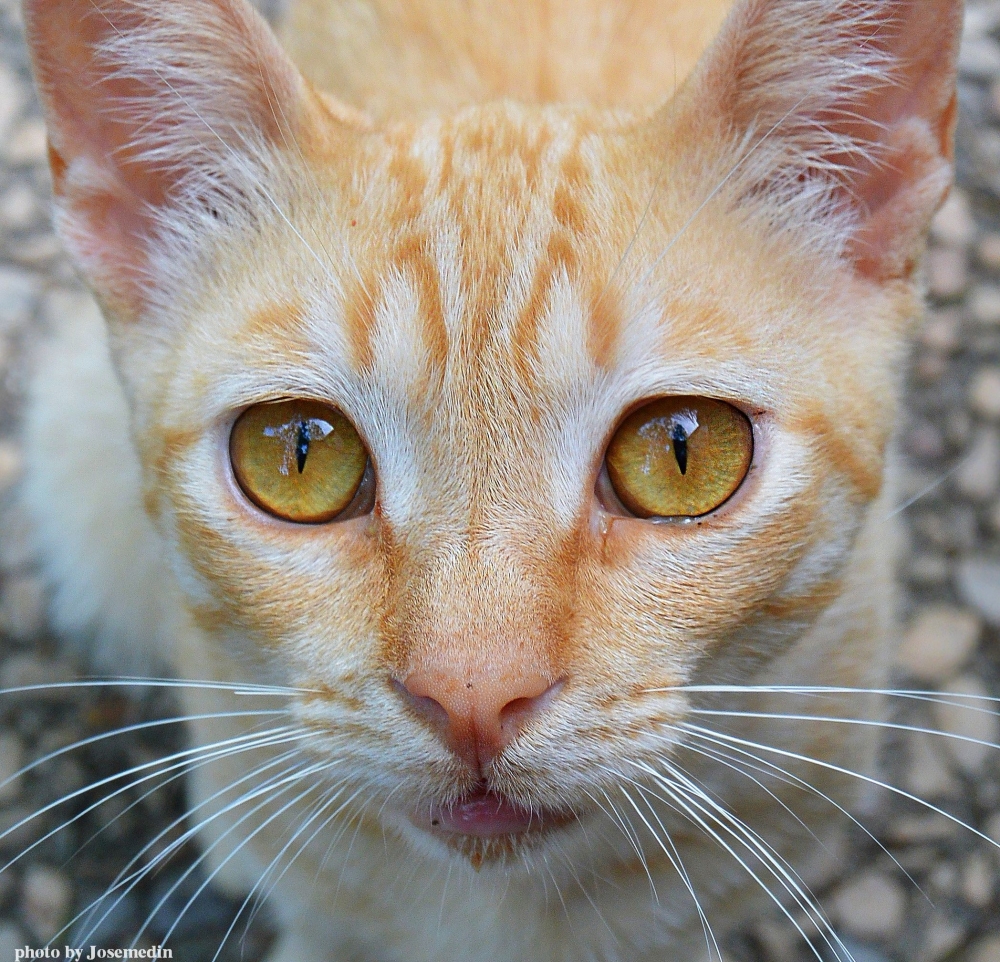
x=487 y=232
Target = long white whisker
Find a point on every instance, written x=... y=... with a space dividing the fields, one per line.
x=675 y=860
x=838 y=720
x=111 y=778
x=682 y=787
x=736 y=763
x=176 y=762
x=126 y=882
x=289 y=780
x=871 y=780
x=327 y=799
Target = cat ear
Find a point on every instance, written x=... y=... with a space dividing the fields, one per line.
x=842 y=114
x=155 y=109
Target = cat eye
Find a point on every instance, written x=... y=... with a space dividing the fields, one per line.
x=679 y=457
x=302 y=461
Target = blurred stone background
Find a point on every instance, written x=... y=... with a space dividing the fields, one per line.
x=947 y=910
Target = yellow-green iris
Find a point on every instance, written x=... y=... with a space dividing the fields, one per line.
x=299 y=460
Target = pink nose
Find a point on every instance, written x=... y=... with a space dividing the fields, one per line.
x=477 y=717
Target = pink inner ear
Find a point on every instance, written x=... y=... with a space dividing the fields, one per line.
x=863 y=90
x=187 y=84
x=909 y=124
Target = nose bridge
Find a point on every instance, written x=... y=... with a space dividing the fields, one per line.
x=480 y=666
x=484 y=611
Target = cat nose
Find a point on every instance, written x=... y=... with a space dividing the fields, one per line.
x=477 y=717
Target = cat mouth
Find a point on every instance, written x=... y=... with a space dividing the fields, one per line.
x=485 y=814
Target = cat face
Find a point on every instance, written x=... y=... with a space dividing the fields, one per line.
x=487 y=297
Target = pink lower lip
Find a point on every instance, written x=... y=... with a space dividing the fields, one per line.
x=484 y=815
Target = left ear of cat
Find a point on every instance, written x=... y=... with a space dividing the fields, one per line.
x=842 y=114
x=155 y=110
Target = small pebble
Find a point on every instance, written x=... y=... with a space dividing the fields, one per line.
x=951 y=529
x=28 y=144
x=984 y=950
x=928 y=569
x=929 y=829
x=942 y=937
x=28 y=670
x=779 y=940
x=22 y=607
x=984 y=393
x=862 y=952
x=46 y=898
x=947 y=272
x=11 y=99
x=18 y=207
x=977 y=880
x=871 y=905
x=11 y=939
x=954 y=225
x=930 y=367
x=17 y=549
x=939 y=642
x=978 y=474
x=971 y=719
x=39 y=251
x=979 y=21
x=11 y=762
x=984 y=304
x=958 y=428
x=979 y=58
x=928 y=775
x=942 y=331
x=991 y=829
x=978 y=582
x=10 y=464
x=18 y=290
x=988 y=252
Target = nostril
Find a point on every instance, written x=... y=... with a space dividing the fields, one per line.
x=478 y=716
x=425 y=705
x=518 y=712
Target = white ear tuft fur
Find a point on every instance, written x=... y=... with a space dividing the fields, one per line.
x=154 y=107
x=841 y=113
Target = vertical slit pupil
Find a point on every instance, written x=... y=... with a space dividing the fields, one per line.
x=680 y=438
x=302 y=446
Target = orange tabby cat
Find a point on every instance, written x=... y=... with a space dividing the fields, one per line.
x=497 y=428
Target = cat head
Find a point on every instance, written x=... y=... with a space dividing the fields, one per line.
x=485 y=428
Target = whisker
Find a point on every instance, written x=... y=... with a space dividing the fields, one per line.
x=642 y=857
x=838 y=720
x=869 y=779
x=128 y=882
x=173 y=765
x=288 y=781
x=179 y=771
x=326 y=799
x=629 y=832
x=682 y=787
x=141 y=681
x=111 y=778
x=911 y=694
x=735 y=763
x=675 y=860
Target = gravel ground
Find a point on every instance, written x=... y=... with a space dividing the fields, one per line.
x=922 y=889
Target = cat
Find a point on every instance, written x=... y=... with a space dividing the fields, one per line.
x=491 y=428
